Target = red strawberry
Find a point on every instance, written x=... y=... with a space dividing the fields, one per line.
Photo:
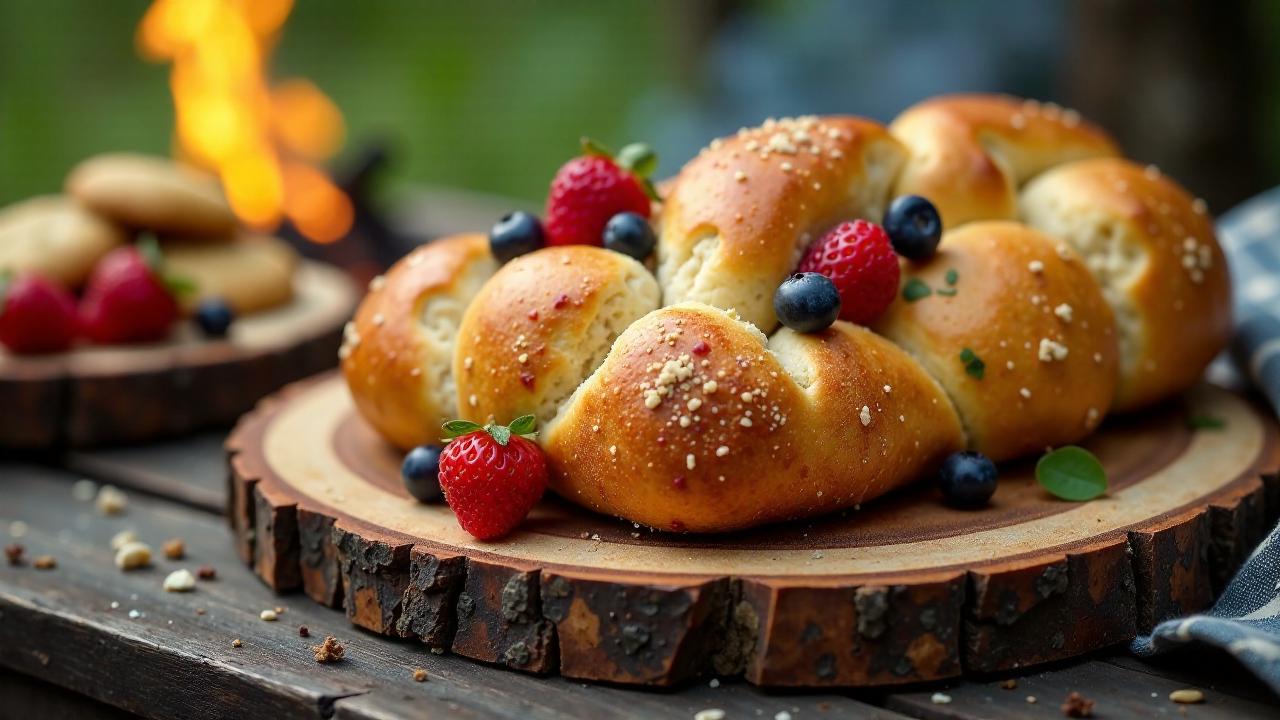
x=37 y=315
x=590 y=189
x=128 y=299
x=491 y=476
x=858 y=257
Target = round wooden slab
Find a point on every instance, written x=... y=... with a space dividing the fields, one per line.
x=903 y=590
x=99 y=395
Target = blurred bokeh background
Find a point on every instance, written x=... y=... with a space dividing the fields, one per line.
x=492 y=95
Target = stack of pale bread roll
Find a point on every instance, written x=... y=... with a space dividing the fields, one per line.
x=1075 y=283
x=110 y=198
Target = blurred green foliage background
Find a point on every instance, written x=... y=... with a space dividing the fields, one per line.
x=492 y=95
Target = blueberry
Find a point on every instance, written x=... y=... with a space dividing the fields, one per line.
x=807 y=302
x=214 y=317
x=421 y=472
x=914 y=227
x=967 y=479
x=629 y=234
x=516 y=234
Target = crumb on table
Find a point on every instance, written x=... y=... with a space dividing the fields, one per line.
x=329 y=651
x=1077 y=706
x=13 y=553
x=419 y=675
x=174 y=549
x=44 y=562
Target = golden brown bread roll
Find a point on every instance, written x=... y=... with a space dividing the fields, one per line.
x=541 y=325
x=1026 y=307
x=398 y=351
x=55 y=237
x=970 y=153
x=694 y=423
x=1152 y=249
x=250 y=272
x=152 y=193
x=741 y=213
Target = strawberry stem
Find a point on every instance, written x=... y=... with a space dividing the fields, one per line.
x=522 y=426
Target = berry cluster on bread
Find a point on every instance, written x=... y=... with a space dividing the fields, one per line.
x=818 y=311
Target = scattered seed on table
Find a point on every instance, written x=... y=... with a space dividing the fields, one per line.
x=940 y=699
x=206 y=572
x=709 y=714
x=44 y=562
x=111 y=500
x=1077 y=706
x=1009 y=684
x=303 y=631
x=122 y=538
x=174 y=549
x=13 y=553
x=236 y=643
x=269 y=615
x=1188 y=696
x=419 y=675
x=180 y=581
x=133 y=555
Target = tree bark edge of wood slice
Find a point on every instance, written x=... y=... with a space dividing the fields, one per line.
x=820 y=603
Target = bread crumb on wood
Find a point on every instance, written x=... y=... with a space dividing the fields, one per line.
x=174 y=549
x=419 y=675
x=13 y=553
x=269 y=615
x=304 y=631
x=236 y=643
x=329 y=651
x=133 y=555
x=111 y=500
x=122 y=538
x=1077 y=706
x=180 y=581
x=206 y=572
x=44 y=562
x=1187 y=696
x=1009 y=684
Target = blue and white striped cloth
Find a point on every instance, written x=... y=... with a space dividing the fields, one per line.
x=1245 y=622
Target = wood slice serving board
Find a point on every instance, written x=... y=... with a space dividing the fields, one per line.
x=99 y=395
x=903 y=590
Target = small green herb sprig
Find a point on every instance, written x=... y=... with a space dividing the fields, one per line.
x=1072 y=473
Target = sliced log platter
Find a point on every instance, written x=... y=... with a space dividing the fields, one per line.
x=124 y=394
x=901 y=591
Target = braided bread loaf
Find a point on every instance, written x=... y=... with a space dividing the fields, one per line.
x=1074 y=282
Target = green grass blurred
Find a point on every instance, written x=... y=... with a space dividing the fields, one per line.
x=484 y=94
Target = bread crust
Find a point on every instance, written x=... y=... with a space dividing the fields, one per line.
x=397 y=351
x=1153 y=250
x=541 y=325
x=739 y=215
x=657 y=434
x=1026 y=306
x=969 y=154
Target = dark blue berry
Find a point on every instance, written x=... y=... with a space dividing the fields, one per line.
x=214 y=317
x=914 y=227
x=516 y=234
x=807 y=302
x=967 y=479
x=629 y=234
x=421 y=472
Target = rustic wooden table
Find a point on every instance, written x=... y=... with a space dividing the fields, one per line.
x=87 y=640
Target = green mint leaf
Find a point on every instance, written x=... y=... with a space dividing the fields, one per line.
x=1205 y=422
x=973 y=364
x=458 y=428
x=149 y=247
x=591 y=147
x=952 y=276
x=523 y=425
x=947 y=292
x=639 y=158
x=1072 y=473
x=915 y=289
x=500 y=433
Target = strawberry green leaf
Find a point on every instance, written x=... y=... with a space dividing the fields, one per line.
x=523 y=425
x=149 y=248
x=639 y=158
x=180 y=286
x=1072 y=473
x=458 y=428
x=500 y=433
x=649 y=189
x=591 y=147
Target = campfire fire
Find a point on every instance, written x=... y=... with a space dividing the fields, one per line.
x=264 y=140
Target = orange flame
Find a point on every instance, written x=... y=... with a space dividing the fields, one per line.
x=261 y=140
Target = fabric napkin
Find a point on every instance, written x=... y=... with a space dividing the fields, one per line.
x=1245 y=622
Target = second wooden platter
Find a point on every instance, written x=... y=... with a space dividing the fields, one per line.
x=126 y=394
x=903 y=590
